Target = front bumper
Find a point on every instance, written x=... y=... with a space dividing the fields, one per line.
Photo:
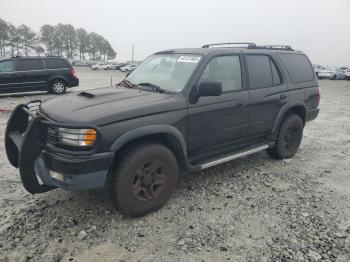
x=75 y=174
x=327 y=76
x=41 y=167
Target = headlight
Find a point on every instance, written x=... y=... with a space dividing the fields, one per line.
x=77 y=137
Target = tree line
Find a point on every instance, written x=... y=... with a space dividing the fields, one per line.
x=59 y=40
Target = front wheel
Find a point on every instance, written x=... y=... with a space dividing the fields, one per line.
x=58 y=87
x=289 y=138
x=143 y=180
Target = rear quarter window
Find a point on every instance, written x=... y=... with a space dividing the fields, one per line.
x=56 y=63
x=298 y=67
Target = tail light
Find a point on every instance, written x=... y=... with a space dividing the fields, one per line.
x=318 y=96
x=73 y=72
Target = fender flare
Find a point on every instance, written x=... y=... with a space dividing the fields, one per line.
x=58 y=77
x=150 y=130
x=281 y=114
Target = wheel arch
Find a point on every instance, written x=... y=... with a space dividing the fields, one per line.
x=298 y=109
x=62 y=78
x=167 y=135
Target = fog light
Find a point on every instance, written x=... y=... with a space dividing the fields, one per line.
x=57 y=176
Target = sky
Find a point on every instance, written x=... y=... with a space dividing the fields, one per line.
x=320 y=28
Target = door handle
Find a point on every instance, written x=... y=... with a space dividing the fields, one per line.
x=240 y=104
x=282 y=96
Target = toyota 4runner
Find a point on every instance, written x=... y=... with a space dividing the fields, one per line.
x=185 y=108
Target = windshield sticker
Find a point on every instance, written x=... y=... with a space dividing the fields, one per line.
x=189 y=59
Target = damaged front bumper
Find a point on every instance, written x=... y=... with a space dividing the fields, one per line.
x=44 y=167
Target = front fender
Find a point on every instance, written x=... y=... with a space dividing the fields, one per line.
x=149 y=130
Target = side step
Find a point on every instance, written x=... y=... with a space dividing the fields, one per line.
x=232 y=157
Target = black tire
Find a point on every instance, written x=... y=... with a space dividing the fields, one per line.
x=334 y=77
x=288 y=139
x=58 y=87
x=143 y=180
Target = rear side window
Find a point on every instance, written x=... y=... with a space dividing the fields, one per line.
x=30 y=64
x=56 y=63
x=298 y=67
x=262 y=71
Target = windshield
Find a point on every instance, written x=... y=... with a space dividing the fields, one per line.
x=170 y=72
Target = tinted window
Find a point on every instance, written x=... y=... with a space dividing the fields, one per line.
x=56 y=63
x=227 y=70
x=30 y=64
x=298 y=66
x=7 y=66
x=259 y=71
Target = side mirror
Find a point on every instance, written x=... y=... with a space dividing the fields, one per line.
x=209 y=88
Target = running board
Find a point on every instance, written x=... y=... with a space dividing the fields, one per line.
x=232 y=157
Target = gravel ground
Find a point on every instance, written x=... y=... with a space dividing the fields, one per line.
x=251 y=209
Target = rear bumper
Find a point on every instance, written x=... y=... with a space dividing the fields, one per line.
x=42 y=168
x=312 y=114
x=74 y=82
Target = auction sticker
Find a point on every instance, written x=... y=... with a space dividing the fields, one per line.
x=189 y=59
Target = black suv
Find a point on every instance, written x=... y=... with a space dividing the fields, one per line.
x=27 y=74
x=184 y=108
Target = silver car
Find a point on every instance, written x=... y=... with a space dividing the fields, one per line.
x=332 y=73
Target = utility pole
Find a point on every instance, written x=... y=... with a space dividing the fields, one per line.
x=132 y=54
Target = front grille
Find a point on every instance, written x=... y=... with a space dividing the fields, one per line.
x=53 y=135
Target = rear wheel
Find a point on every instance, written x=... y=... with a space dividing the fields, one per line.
x=289 y=138
x=143 y=180
x=58 y=87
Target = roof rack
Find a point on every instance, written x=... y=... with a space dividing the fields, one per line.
x=271 y=47
x=237 y=43
x=253 y=46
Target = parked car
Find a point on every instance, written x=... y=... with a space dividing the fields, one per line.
x=128 y=68
x=120 y=65
x=346 y=70
x=83 y=63
x=98 y=66
x=331 y=73
x=317 y=68
x=26 y=74
x=184 y=108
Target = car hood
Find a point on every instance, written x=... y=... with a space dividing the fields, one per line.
x=107 y=105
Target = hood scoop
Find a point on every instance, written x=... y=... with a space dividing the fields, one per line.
x=86 y=94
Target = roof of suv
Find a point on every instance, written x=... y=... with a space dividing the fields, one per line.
x=29 y=57
x=251 y=47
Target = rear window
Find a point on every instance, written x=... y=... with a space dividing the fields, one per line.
x=56 y=63
x=30 y=64
x=298 y=67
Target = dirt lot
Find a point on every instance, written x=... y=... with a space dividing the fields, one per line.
x=251 y=209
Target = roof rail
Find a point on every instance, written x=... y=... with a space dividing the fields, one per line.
x=271 y=47
x=253 y=46
x=16 y=56
x=238 y=43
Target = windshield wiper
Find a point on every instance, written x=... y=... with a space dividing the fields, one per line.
x=154 y=87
